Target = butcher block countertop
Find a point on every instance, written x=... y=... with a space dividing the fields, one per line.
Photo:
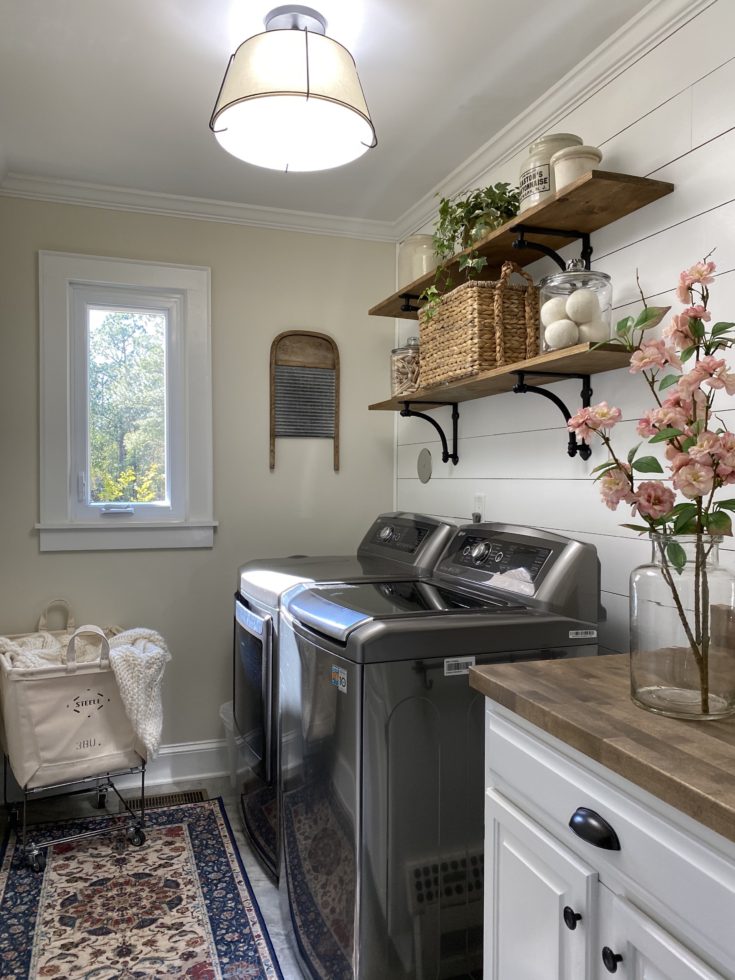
x=586 y=704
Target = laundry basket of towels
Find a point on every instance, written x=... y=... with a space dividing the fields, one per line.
x=80 y=702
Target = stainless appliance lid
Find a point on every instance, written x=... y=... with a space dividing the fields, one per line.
x=395 y=545
x=337 y=610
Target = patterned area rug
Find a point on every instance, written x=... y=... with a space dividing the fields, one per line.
x=179 y=906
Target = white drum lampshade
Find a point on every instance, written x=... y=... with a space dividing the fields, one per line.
x=291 y=99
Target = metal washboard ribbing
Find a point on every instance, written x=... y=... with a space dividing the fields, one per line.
x=304 y=399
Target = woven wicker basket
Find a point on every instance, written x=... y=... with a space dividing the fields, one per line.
x=478 y=326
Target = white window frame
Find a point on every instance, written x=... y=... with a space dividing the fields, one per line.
x=68 y=285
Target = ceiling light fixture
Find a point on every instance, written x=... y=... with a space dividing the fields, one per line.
x=291 y=99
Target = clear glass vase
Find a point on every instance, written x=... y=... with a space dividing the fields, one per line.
x=682 y=630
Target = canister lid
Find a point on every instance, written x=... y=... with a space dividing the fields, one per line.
x=570 y=152
x=412 y=343
x=576 y=277
x=569 y=138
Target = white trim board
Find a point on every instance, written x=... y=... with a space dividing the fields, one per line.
x=656 y=21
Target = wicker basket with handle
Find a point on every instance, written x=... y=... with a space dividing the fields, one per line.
x=479 y=326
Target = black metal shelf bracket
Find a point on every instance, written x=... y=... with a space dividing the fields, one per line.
x=408 y=412
x=407 y=306
x=521 y=242
x=574 y=448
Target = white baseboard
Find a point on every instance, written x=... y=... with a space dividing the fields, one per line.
x=182 y=762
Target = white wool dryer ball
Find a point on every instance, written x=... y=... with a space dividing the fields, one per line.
x=583 y=306
x=561 y=333
x=594 y=332
x=553 y=309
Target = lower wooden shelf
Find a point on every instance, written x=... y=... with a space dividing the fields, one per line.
x=580 y=359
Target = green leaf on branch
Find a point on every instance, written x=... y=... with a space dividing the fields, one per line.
x=687 y=354
x=624 y=326
x=633 y=451
x=641 y=528
x=686 y=513
x=676 y=555
x=604 y=467
x=668 y=381
x=665 y=434
x=696 y=328
x=647 y=464
x=719 y=523
x=651 y=316
x=726 y=504
x=720 y=328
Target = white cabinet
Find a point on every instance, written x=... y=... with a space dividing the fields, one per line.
x=633 y=947
x=656 y=902
x=541 y=900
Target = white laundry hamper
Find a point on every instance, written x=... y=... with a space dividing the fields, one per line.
x=66 y=722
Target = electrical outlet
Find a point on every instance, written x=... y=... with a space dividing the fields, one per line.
x=478 y=506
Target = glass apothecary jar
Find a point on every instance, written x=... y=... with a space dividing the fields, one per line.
x=536 y=179
x=682 y=629
x=575 y=307
x=404 y=368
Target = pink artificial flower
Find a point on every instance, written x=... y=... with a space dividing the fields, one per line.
x=653 y=353
x=678 y=332
x=648 y=423
x=694 y=480
x=653 y=499
x=677 y=458
x=587 y=421
x=615 y=486
x=698 y=312
x=726 y=452
x=700 y=272
x=719 y=376
x=706 y=446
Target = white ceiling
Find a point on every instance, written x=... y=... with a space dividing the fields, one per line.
x=119 y=92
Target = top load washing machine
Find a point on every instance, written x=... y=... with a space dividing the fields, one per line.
x=382 y=745
x=395 y=545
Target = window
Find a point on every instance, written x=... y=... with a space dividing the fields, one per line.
x=126 y=446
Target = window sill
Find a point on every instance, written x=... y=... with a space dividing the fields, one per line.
x=143 y=536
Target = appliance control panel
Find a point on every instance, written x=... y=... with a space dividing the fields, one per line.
x=500 y=557
x=398 y=536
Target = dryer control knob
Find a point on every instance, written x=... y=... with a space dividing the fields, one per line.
x=387 y=533
x=480 y=551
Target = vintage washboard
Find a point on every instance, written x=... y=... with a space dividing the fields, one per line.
x=304 y=388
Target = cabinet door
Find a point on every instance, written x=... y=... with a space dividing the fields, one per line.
x=633 y=947
x=532 y=884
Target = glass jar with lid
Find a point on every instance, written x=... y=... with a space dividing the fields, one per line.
x=536 y=180
x=575 y=307
x=404 y=368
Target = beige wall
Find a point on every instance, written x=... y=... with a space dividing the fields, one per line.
x=263 y=282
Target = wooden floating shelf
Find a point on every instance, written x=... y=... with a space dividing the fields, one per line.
x=590 y=203
x=580 y=359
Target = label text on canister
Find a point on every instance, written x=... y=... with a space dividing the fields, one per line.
x=537 y=180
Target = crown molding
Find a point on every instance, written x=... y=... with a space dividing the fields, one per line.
x=657 y=21
x=203 y=209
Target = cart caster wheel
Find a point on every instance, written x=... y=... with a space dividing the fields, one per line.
x=37 y=861
x=136 y=836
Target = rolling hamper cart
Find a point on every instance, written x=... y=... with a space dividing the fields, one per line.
x=64 y=724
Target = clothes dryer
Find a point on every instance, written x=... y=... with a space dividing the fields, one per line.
x=395 y=545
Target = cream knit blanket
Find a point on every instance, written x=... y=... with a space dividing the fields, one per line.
x=137 y=657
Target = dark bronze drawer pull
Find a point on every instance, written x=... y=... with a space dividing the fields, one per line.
x=594 y=829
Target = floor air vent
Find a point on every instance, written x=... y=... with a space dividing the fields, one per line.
x=170 y=799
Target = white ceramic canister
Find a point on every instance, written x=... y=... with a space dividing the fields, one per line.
x=416 y=258
x=573 y=162
x=536 y=180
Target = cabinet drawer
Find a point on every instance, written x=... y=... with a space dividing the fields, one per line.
x=677 y=879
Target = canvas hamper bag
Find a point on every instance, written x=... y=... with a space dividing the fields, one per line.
x=65 y=721
x=478 y=326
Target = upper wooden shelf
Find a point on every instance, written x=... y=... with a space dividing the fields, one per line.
x=580 y=359
x=590 y=203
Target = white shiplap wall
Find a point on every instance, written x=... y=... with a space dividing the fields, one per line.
x=669 y=115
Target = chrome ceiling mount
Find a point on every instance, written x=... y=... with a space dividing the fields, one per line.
x=295 y=18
